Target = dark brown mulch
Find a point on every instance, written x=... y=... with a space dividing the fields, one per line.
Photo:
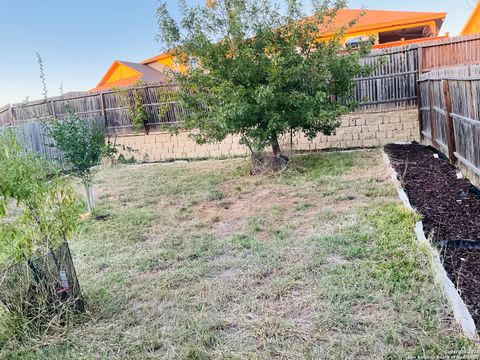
x=463 y=268
x=451 y=211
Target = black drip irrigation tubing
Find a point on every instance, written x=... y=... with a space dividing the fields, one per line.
x=458 y=244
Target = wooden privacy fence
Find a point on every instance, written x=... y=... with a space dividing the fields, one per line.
x=449 y=113
x=392 y=85
x=113 y=106
x=451 y=52
x=34 y=136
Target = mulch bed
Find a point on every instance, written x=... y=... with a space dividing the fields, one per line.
x=450 y=208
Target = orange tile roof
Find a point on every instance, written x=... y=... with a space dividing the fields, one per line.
x=371 y=20
x=144 y=73
x=377 y=19
x=155 y=58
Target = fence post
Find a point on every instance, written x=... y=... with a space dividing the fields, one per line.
x=472 y=114
x=12 y=115
x=420 y=112
x=104 y=112
x=452 y=147
x=53 y=109
x=419 y=91
x=433 y=131
x=420 y=60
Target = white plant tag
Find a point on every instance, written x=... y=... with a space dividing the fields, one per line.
x=64 y=279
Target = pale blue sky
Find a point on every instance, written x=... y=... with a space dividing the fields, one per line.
x=78 y=40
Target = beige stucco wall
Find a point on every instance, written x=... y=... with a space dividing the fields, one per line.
x=356 y=131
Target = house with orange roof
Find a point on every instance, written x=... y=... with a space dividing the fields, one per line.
x=472 y=26
x=125 y=73
x=388 y=28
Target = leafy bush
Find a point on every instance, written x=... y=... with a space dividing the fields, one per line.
x=137 y=112
x=39 y=212
x=45 y=209
x=132 y=99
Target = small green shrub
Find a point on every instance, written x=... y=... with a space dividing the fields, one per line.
x=45 y=208
x=123 y=160
x=84 y=145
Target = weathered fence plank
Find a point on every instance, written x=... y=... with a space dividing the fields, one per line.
x=113 y=106
x=451 y=145
x=455 y=102
x=462 y=50
x=34 y=137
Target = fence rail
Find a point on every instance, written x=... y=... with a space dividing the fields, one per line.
x=450 y=113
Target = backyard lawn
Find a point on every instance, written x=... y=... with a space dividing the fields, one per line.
x=200 y=260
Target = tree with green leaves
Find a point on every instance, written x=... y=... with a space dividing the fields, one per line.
x=83 y=144
x=47 y=209
x=258 y=69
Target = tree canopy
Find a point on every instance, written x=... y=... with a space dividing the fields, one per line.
x=257 y=68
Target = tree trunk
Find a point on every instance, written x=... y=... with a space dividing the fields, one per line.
x=275 y=145
x=89 y=195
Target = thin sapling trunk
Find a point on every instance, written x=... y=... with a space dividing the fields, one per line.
x=89 y=195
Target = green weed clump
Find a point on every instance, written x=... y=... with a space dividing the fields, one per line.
x=39 y=212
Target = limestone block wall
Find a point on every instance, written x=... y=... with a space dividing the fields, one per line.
x=357 y=131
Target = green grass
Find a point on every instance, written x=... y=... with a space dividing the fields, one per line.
x=202 y=261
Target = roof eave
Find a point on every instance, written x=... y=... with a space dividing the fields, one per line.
x=354 y=29
x=155 y=58
x=112 y=68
